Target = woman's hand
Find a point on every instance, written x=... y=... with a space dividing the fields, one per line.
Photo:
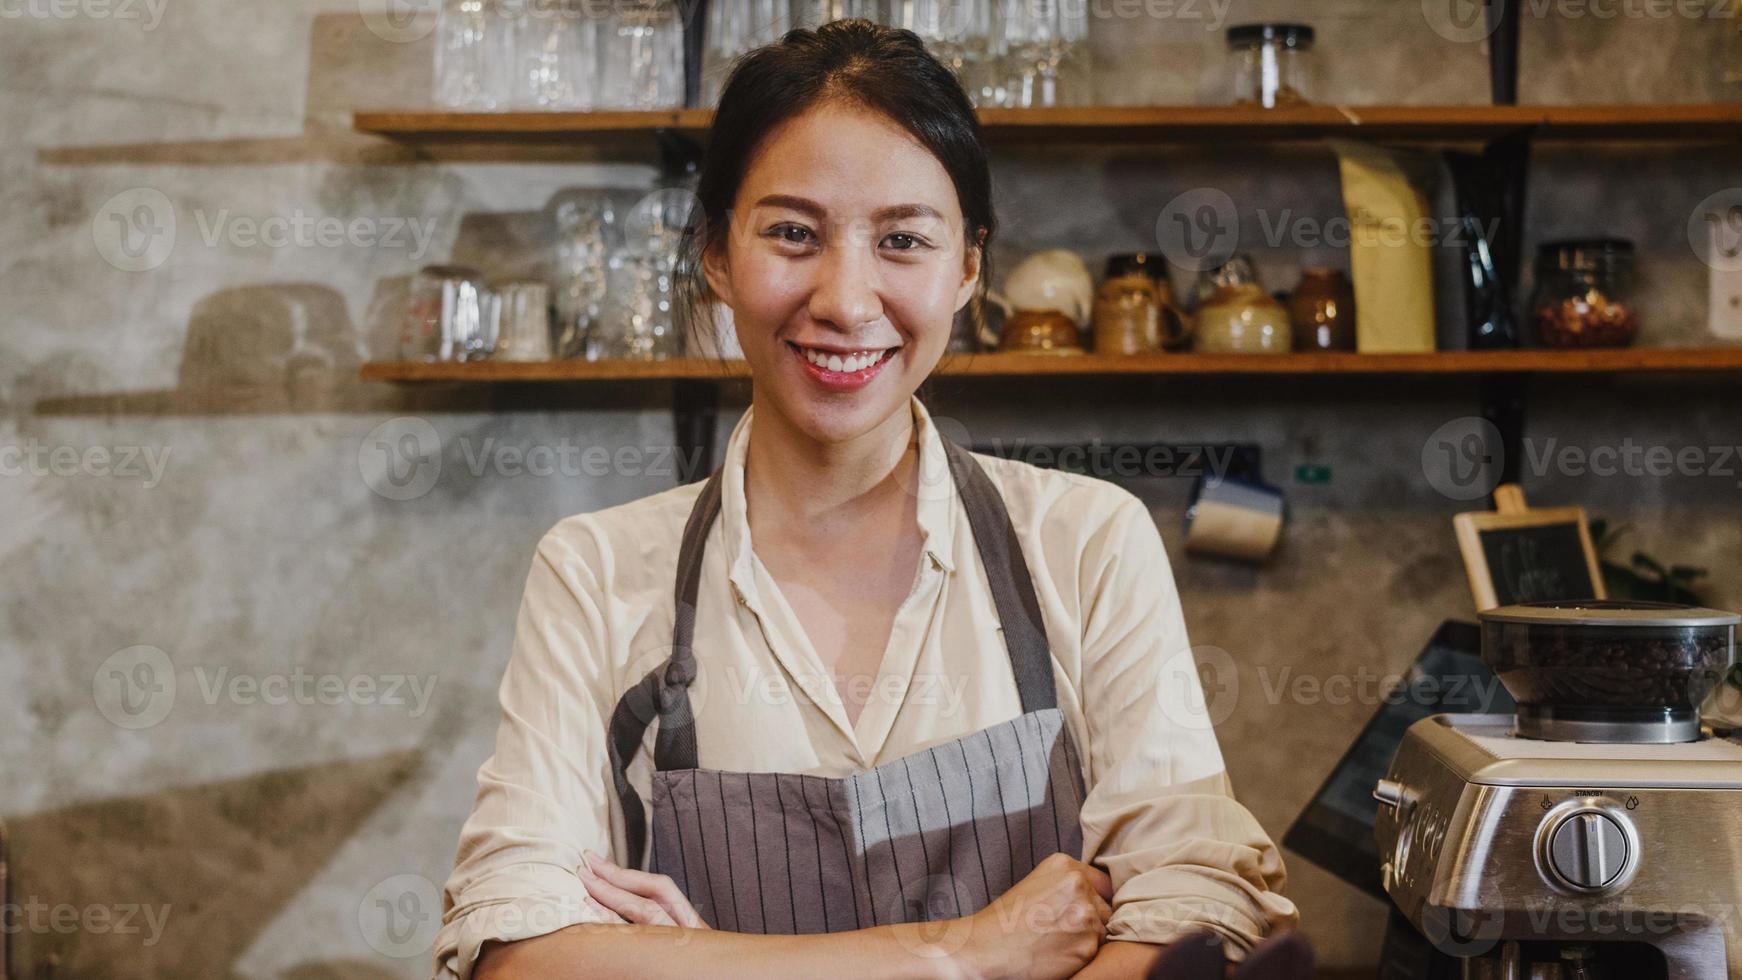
x=1048 y=925
x=638 y=896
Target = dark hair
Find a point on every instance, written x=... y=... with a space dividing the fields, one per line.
x=885 y=69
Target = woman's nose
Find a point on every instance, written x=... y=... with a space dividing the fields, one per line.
x=846 y=293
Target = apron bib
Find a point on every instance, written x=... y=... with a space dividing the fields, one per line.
x=933 y=835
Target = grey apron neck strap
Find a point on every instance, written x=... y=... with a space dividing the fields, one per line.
x=1007 y=572
x=1000 y=553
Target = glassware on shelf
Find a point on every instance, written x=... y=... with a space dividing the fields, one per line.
x=1322 y=311
x=523 y=320
x=736 y=27
x=1584 y=294
x=1270 y=63
x=586 y=233
x=815 y=13
x=1730 y=55
x=963 y=35
x=642 y=56
x=474 y=54
x=1039 y=39
x=1235 y=314
x=638 y=322
x=447 y=316
x=655 y=224
x=556 y=52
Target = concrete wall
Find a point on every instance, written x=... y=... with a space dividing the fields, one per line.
x=197 y=502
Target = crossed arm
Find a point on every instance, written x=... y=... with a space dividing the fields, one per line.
x=1049 y=926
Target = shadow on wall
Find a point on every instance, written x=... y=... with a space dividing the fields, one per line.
x=180 y=883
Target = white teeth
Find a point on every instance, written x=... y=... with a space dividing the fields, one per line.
x=836 y=362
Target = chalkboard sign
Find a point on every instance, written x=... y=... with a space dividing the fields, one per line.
x=1537 y=564
x=1516 y=554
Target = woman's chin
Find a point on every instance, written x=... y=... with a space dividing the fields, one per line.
x=838 y=420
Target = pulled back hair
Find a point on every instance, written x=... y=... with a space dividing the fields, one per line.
x=855 y=61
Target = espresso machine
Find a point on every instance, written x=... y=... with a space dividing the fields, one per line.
x=1595 y=834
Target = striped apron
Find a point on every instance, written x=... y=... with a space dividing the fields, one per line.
x=934 y=835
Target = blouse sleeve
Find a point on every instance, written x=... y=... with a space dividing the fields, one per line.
x=545 y=793
x=1159 y=815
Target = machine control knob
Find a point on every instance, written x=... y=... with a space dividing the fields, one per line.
x=1389 y=792
x=1588 y=849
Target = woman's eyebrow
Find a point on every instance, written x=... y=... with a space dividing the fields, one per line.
x=807 y=206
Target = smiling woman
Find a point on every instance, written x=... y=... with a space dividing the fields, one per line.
x=846 y=179
x=723 y=751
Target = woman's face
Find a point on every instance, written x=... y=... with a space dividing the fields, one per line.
x=844 y=265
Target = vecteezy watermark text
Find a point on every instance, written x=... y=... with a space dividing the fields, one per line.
x=1120 y=460
x=146 y=463
x=299 y=229
x=1632 y=459
x=137 y=688
x=33 y=915
x=148 y=13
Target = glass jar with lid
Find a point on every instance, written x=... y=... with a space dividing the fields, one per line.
x=1270 y=63
x=1584 y=293
x=1235 y=314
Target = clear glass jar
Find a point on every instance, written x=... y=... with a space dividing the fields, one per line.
x=1584 y=294
x=639 y=322
x=1235 y=314
x=556 y=51
x=1270 y=63
x=474 y=54
x=736 y=27
x=587 y=231
x=447 y=316
x=641 y=54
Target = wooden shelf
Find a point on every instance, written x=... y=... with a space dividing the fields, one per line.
x=1708 y=122
x=1632 y=360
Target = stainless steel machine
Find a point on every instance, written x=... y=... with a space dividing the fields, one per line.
x=1597 y=833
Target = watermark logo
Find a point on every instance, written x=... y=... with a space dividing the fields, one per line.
x=135 y=688
x=401 y=458
x=1199 y=687
x=399 y=916
x=935 y=926
x=1199 y=230
x=1464 y=458
x=400 y=21
x=1715 y=230
x=1463 y=21
x=134 y=231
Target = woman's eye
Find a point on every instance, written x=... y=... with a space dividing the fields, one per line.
x=911 y=241
x=796 y=234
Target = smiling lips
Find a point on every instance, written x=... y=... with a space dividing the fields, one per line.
x=842 y=371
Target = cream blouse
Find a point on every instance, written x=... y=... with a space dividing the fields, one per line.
x=597 y=615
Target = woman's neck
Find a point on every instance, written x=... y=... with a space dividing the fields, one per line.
x=800 y=488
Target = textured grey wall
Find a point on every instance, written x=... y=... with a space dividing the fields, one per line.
x=193 y=501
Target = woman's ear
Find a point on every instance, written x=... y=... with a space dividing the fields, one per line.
x=716 y=271
x=970 y=274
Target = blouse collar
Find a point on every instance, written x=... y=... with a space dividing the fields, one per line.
x=936 y=511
